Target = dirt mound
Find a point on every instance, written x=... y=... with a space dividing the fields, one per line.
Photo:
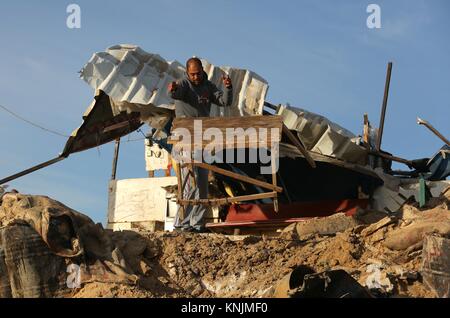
x=381 y=252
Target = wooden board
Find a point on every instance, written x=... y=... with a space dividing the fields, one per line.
x=236 y=131
x=223 y=201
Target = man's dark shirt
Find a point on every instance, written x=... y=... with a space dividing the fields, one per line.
x=196 y=100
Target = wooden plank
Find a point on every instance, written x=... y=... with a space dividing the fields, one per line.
x=366 y=128
x=366 y=132
x=239 y=177
x=246 y=131
x=262 y=121
x=223 y=201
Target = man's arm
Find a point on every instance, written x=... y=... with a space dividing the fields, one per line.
x=177 y=90
x=221 y=99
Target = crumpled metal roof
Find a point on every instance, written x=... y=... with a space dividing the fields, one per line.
x=323 y=136
x=134 y=79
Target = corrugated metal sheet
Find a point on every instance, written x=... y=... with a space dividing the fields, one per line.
x=323 y=136
x=135 y=79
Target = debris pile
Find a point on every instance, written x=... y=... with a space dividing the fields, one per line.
x=382 y=253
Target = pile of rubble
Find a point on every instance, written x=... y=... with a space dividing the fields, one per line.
x=387 y=255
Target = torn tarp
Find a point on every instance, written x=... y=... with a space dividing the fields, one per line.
x=100 y=125
x=40 y=237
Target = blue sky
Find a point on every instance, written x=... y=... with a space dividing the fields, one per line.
x=318 y=55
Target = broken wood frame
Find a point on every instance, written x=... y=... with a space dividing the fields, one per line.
x=255 y=122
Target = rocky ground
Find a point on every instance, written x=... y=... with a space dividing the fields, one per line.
x=215 y=265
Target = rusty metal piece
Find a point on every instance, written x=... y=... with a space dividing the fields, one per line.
x=302 y=282
x=434 y=130
x=288 y=285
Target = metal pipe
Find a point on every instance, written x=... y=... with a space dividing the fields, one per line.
x=434 y=130
x=116 y=155
x=32 y=169
x=383 y=108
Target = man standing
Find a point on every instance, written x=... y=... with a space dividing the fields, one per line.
x=193 y=98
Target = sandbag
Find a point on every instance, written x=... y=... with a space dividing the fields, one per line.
x=29 y=268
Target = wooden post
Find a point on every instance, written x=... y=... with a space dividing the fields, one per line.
x=383 y=107
x=32 y=169
x=115 y=158
x=180 y=189
x=273 y=158
x=433 y=130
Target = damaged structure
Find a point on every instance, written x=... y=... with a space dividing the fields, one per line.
x=127 y=75
x=338 y=192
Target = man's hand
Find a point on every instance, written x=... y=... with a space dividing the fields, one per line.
x=172 y=87
x=226 y=81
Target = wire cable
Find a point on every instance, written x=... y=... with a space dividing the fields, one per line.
x=32 y=123
x=53 y=131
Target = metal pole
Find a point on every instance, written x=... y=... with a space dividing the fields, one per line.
x=32 y=169
x=393 y=158
x=383 y=108
x=116 y=155
x=434 y=130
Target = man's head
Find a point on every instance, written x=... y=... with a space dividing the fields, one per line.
x=194 y=70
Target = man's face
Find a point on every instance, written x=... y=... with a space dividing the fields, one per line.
x=195 y=73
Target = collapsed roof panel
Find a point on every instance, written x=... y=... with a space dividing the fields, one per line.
x=322 y=136
x=100 y=126
x=134 y=79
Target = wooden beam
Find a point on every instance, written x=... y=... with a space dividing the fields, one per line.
x=223 y=201
x=393 y=158
x=180 y=188
x=115 y=158
x=249 y=137
x=366 y=132
x=383 y=106
x=239 y=177
x=274 y=178
x=433 y=130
